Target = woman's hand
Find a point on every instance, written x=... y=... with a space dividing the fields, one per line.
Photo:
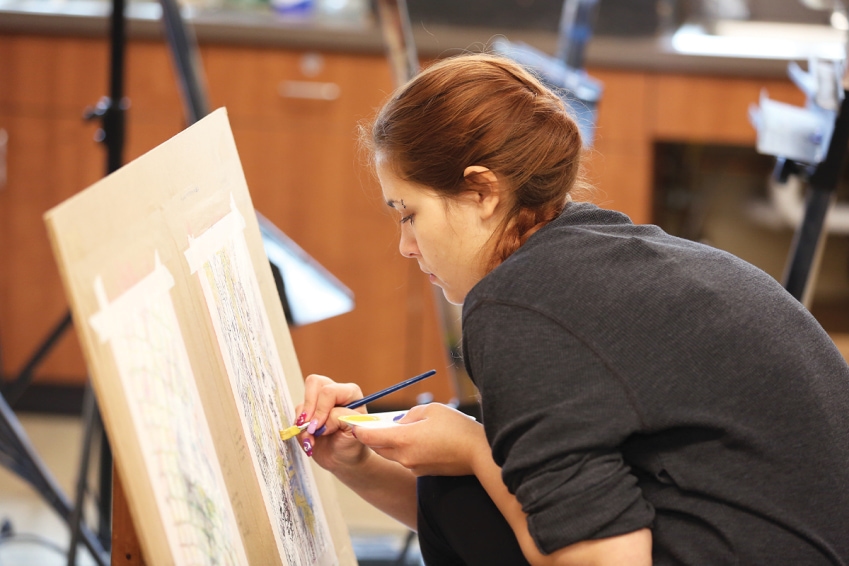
x=434 y=439
x=384 y=484
x=334 y=448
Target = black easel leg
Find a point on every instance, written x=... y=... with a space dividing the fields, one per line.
x=807 y=242
x=104 y=532
x=76 y=519
x=821 y=194
x=18 y=455
x=17 y=387
x=114 y=127
x=183 y=47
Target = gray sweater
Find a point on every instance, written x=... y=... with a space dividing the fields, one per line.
x=630 y=379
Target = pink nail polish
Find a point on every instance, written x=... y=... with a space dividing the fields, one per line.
x=301 y=418
x=313 y=426
x=308 y=448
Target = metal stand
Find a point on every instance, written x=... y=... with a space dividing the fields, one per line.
x=183 y=47
x=822 y=184
x=18 y=455
x=13 y=391
x=93 y=429
x=112 y=111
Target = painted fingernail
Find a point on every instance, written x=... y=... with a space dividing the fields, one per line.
x=308 y=448
x=397 y=418
x=313 y=426
x=301 y=418
x=320 y=431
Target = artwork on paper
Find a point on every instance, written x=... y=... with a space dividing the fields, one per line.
x=187 y=361
x=220 y=258
x=142 y=331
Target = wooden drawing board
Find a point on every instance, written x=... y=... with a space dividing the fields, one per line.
x=191 y=359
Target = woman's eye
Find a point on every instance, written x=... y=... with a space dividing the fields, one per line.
x=408 y=218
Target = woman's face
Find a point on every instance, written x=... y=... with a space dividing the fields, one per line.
x=449 y=239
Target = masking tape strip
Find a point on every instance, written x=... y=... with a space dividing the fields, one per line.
x=216 y=237
x=111 y=315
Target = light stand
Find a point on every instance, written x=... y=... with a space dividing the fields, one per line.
x=809 y=143
x=822 y=185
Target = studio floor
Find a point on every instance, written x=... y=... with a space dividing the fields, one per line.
x=34 y=535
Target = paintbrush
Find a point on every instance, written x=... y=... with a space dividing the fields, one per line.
x=295 y=430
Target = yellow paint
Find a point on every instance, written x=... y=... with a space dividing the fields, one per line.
x=360 y=418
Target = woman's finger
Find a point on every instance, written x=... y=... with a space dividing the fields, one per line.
x=321 y=396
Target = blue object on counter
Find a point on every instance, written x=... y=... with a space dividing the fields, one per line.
x=293 y=7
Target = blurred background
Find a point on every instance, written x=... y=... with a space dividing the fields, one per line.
x=673 y=145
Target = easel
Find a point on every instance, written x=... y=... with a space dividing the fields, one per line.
x=18 y=455
x=112 y=111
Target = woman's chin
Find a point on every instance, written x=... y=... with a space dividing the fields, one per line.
x=449 y=296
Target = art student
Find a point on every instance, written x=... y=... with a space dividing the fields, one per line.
x=644 y=398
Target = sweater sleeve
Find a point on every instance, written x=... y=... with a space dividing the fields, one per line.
x=555 y=416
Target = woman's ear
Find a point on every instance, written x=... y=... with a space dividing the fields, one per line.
x=484 y=188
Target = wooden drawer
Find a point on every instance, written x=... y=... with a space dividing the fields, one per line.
x=263 y=87
x=712 y=109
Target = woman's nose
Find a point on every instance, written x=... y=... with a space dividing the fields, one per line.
x=407 y=246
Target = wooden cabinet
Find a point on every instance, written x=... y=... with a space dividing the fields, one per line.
x=301 y=164
x=294 y=115
x=710 y=109
x=639 y=109
x=50 y=155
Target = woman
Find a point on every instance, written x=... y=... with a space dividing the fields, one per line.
x=644 y=398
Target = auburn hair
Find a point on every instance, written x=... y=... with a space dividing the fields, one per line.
x=482 y=109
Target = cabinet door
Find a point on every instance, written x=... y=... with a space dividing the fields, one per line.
x=47 y=84
x=619 y=166
x=48 y=160
x=294 y=116
x=49 y=155
x=708 y=109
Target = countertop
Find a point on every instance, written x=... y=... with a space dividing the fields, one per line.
x=259 y=26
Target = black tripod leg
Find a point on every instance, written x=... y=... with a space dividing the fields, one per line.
x=17 y=454
x=807 y=244
x=821 y=194
x=105 y=502
x=17 y=387
x=183 y=46
x=76 y=520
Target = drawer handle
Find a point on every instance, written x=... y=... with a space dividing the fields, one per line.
x=309 y=90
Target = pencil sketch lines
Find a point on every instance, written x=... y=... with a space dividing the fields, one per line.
x=143 y=333
x=222 y=260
